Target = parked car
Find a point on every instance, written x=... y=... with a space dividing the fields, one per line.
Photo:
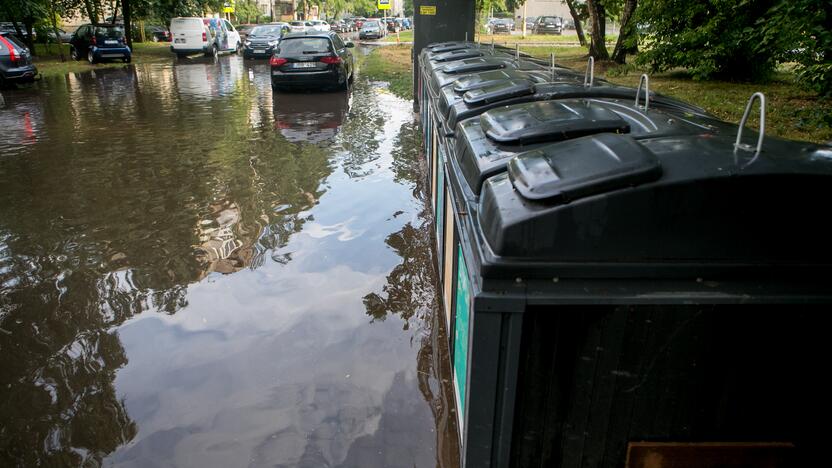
x=157 y=33
x=63 y=36
x=209 y=36
x=371 y=30
x=318 y=26
x=392 y=26
x=15 y=61
x=263 y=39
x=530 y=20
x=99 y=42
x=568 y=23
x=298 y=26
x=306 y=59
x=9 y=28
x=548 y=25
x=502 y=26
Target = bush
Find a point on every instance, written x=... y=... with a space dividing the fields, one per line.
x=711 y=38
x=798 y=30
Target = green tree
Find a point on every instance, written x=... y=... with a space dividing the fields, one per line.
x=711 y=38
x=800 y=31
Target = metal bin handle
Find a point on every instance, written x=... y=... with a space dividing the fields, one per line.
x=644 y=80
x=738 y=144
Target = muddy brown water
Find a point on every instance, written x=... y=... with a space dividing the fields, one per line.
x=195 y=271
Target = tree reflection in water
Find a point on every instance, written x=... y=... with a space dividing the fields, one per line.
x=108 y=228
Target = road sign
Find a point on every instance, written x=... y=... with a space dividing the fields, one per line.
x=383 y=4
x=228 y=7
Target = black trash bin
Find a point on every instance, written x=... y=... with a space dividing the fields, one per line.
x=639 y=284
x=481 y=146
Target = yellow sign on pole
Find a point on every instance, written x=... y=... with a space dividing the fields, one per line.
x=427 y=10
x=228 y=6
x=383 y=4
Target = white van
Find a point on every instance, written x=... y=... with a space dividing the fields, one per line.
x=209 y=36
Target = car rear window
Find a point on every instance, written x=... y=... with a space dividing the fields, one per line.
x=304 y=45
x=297 y=23
x=109 y=32
x=186 y=24
x=14 y=41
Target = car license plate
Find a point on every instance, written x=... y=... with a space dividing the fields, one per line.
x=110 y=42
x=259 y=51
x=304 y=65
x=179 y=41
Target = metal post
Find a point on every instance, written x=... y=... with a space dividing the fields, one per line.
x=553 y=65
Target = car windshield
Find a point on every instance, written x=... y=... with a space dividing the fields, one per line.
x=549 y=19
x=304 y=45
x=296 y=23
x=109 y=32
x=266 y=31
x=371 y=24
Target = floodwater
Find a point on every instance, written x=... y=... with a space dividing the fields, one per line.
x=195 y=271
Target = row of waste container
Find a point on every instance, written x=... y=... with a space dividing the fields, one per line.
x=624 y=276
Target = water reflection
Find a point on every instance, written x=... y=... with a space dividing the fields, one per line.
x=307 y=117
x=183 y=282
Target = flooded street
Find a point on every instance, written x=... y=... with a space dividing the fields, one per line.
x=195 y=271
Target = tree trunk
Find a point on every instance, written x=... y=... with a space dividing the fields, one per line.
x=54 y=20
x=597 y=44
x=91 y=11
x=128 y=26
x=626 y=33
x=579 y=29
x=115 y=12
x=28 y=23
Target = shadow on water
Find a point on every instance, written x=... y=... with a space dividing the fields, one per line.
x=153 y=189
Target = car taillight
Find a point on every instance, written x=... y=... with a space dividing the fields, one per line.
x=276 y=61
x=204 y=36
x=334 y=59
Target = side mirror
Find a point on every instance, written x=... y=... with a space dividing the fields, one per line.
x=350 y=44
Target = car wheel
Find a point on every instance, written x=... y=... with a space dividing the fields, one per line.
x=74 y=54
x=127 y=59
x=91 y=57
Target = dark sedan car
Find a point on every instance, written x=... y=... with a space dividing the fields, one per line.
x=312 y=60
x=502 y=26
x=15 y=61
x=99 y=42
x=262 y=40
x=157 y=34
x=548 y=25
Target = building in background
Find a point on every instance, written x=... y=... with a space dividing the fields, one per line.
x=544 y=8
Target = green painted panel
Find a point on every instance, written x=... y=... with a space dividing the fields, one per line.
x=463 y=302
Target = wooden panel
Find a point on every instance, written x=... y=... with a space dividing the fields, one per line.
x=709 y=455
x=448 y=270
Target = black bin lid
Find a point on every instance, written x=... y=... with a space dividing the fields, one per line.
x=493 y=93
x=604 y=206
x=582 y=167
x=549 y=121
x=477 y=80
